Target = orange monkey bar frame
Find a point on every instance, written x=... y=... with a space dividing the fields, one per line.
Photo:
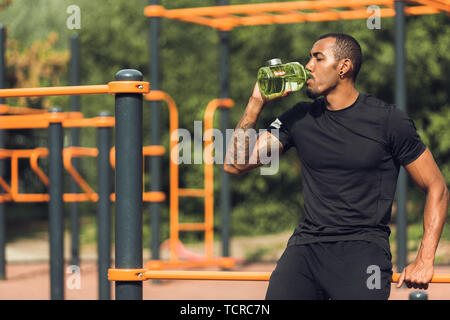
x=176 y=192
x=226 y=18
x=144 y=274
x=6 y=109
x=39 y=120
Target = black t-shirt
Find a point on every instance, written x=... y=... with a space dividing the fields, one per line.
x=350 y=163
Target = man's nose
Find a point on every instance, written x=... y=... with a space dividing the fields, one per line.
x=309 y=66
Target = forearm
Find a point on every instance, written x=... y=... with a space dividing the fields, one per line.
x=240 y=148
x=435 y=212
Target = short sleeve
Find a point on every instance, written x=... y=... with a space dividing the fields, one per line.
x=403 y=139
x=280 y=129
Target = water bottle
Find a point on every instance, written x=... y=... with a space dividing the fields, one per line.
x=271 y=86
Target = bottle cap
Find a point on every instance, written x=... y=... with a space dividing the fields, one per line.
x=273 y=62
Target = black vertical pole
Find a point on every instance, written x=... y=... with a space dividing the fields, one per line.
x=128 y=141
x=2 y=162
x=74 y=133
x=400 y=101
x=104 y=211
x=155 y=162
x=225 y=198
x=56 y=215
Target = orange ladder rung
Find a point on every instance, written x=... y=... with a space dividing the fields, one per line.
x=191 y=226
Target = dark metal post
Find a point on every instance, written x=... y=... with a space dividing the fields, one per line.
x=400 y=101
x=155 y=162
x=104 y=210
x=128 y=240
x=74 y=133
x=56 y=214
x=418 y=295
x=225 y=198
x=2 y=162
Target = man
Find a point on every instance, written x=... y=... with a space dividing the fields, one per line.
x=351 y=146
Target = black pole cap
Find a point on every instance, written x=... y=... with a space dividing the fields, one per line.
x=105 y=114
x=56 y=109
x=129 y=75
x=418 y=295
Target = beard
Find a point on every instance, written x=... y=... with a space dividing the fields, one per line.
x=311 y=94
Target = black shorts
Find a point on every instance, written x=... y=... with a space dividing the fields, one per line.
x=332 y=270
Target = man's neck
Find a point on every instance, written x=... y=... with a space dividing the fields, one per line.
x=342 y=96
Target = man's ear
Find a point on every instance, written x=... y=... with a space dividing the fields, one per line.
x=345 y=67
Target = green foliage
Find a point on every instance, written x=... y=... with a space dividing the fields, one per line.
x=115 y=35
x=434 y=129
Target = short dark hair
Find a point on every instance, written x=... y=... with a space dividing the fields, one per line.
x=346 y=47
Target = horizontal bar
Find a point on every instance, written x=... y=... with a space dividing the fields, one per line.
x=150 y=196
x=191 y=226
x=208 y=275
x=110 y=88
x=54 y=91
x=6 y=109
x=182 y=192
x=217 y=11
x=144 y=274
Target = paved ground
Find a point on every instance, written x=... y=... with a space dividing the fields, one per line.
x=31 y=281
x=28 y=275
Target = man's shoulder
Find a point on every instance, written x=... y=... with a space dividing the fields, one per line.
x=375 y=104
x=302 y=108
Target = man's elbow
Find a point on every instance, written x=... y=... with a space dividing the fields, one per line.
x=446 y=194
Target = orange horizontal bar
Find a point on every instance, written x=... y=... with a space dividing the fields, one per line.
x=443 y=5
x=151 y=196
x=30 y=197
x=154 y=196
x=80 y=197
x=192 y=226
x=191 y=192
x=144 y=274
x=111 y=88
x=4 y=108
x=228 y=17
x=217 y=11
x=41 y=121
x=93 y=122
x=54 y=91
x=153 y=150
x=23 y=122
x=437 y=278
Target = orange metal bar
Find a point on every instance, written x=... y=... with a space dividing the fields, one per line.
x=4 y=108
x=110 y=88
x=54 y=91
x=93 y=122
x=437 y=278
x=158 y=95
x=182 y=192
x=209 y=171
x=146 y=151
x=153 y=150
x=192 y=226
x=34 y=157
x=228 y=17
x=144 y=274
x=443 y=5
x=23 y=122
x=70 y=152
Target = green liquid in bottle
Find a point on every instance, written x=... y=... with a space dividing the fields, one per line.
x=293 y=79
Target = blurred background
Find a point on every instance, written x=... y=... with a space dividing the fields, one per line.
x=115 y=35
